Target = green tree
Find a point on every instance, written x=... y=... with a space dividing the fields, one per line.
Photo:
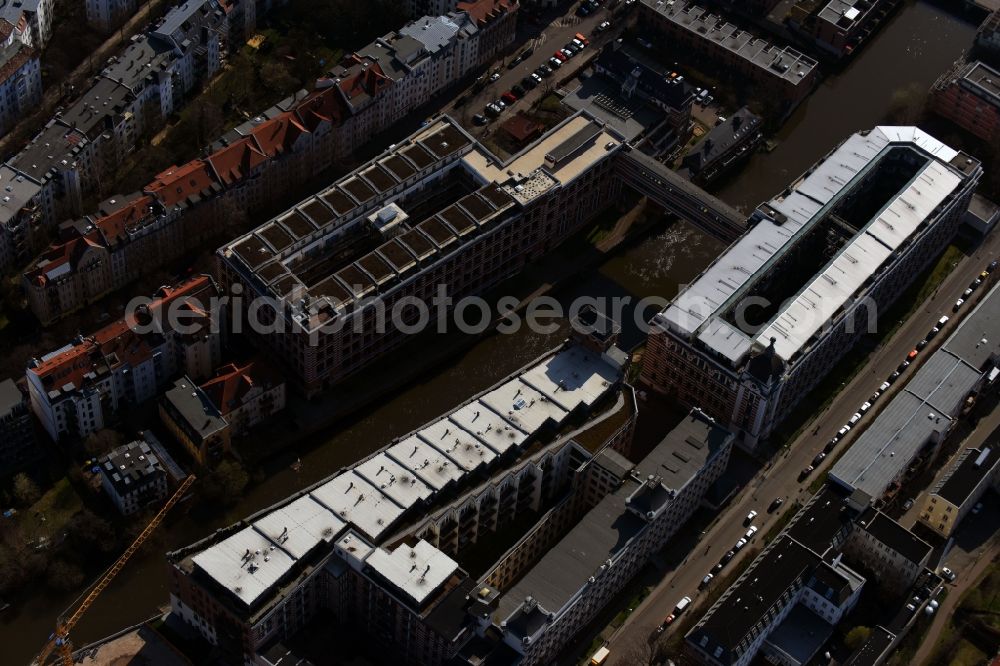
x=277 y=78
x=856 y=637
x=100 y=442
x=64 y=576
x=25 y=490
x=89 y=534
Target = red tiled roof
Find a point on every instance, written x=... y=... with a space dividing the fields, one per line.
x=117 y=223
x=178 y=183
x=363 y=78
x=6 y=27
x=228 y=389
x=322 y=106
x=14 y=63
x=276 y=136
x=69 y=252
x=117 y=343
x=237 y=160
x=483 y=11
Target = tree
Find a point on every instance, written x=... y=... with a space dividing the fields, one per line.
x=25 y=490
x=277 y=78
x=856 y=637
x=225 y=483
x=64 y=576
x=88 y=534
x=100 y=442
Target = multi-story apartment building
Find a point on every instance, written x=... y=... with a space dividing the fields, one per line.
x=791 y=596
x=784 y=73
x=969 y=96
x=247 y=168
x=18 y=447
x=838 y=27
x=20 y=82
x=724 y=146
x=436 y=209
x=773 y=314
x=909 y=430
x=106 y=15
x=29 y=20
x=195 y=422
x=79 y=388
x=575 y=578
x=89 y=139
x=988 y=39
x=132 y=476
x=206 y=418
x=336 y=545
x=973 y=473
x=890 y=550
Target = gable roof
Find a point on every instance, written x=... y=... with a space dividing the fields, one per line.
x=231 y=385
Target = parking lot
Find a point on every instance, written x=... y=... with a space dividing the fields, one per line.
x=551 y=32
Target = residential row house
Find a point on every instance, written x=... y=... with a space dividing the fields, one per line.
x=84 y=385
x=89 y=139
x=252 y=164
x=20 y=81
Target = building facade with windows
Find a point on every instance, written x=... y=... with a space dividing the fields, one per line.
x=950 y=501
x=775 y=312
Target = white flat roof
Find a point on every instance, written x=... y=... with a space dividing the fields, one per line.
x=456 y=443
x=247 y=563
x=487 y=426
x=358 y=502
x=307 y=523
x=416 y=572
x=574 y=377
x=695 y=310
x=794 y=326
x=403 y=486
x=425 y=461
x=522 y=406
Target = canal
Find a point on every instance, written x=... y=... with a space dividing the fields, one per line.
x=909 y=53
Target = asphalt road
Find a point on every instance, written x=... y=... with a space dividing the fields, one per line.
x=545 y=39
x=781 y=479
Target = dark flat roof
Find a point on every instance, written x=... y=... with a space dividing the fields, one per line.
x=967 y=474
x=580 y=138
x=818 y=524
x=876 y=645
x=894 y=535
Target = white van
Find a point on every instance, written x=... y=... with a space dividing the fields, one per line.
x=682 y=605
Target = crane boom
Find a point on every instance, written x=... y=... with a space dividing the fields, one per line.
x=60 y=639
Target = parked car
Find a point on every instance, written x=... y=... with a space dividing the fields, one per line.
x=555 y=63
x=778 y=501
x=543 y=71
x=884 y=386
x=894 y=376
x=958 y=305
x=560 y=56
x=572 y=48
x=989 y=269
x=806 y=472
x=908 y=504
x=535 y=78
x=942 y=321
x=705 y=581
x=818 y=459
x=967 y=293
x=480 y=119
x=750 y=517
x=931 y=333
x=750 y=532
x=566 y=52
x=577 y=41
x=903 y=366
x=492 y=110
x=830 y=445
x=865 y=406
x=518 y=90
x=495 y=77
x=948 y=574
x=874 y=396
x=912 y=355
x=508 y=98
x=739 y=545
x=855 y=418
x=603 y=26
x=922 y=344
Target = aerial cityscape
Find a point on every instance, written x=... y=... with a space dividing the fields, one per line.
x=500 y=332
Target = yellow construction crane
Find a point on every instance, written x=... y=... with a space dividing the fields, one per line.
x=59 y=641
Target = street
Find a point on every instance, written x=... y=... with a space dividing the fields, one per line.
x=781 y=479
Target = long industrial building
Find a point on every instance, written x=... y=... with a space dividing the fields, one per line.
x=771 y=316
x=918 y=418
x=435 y=209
